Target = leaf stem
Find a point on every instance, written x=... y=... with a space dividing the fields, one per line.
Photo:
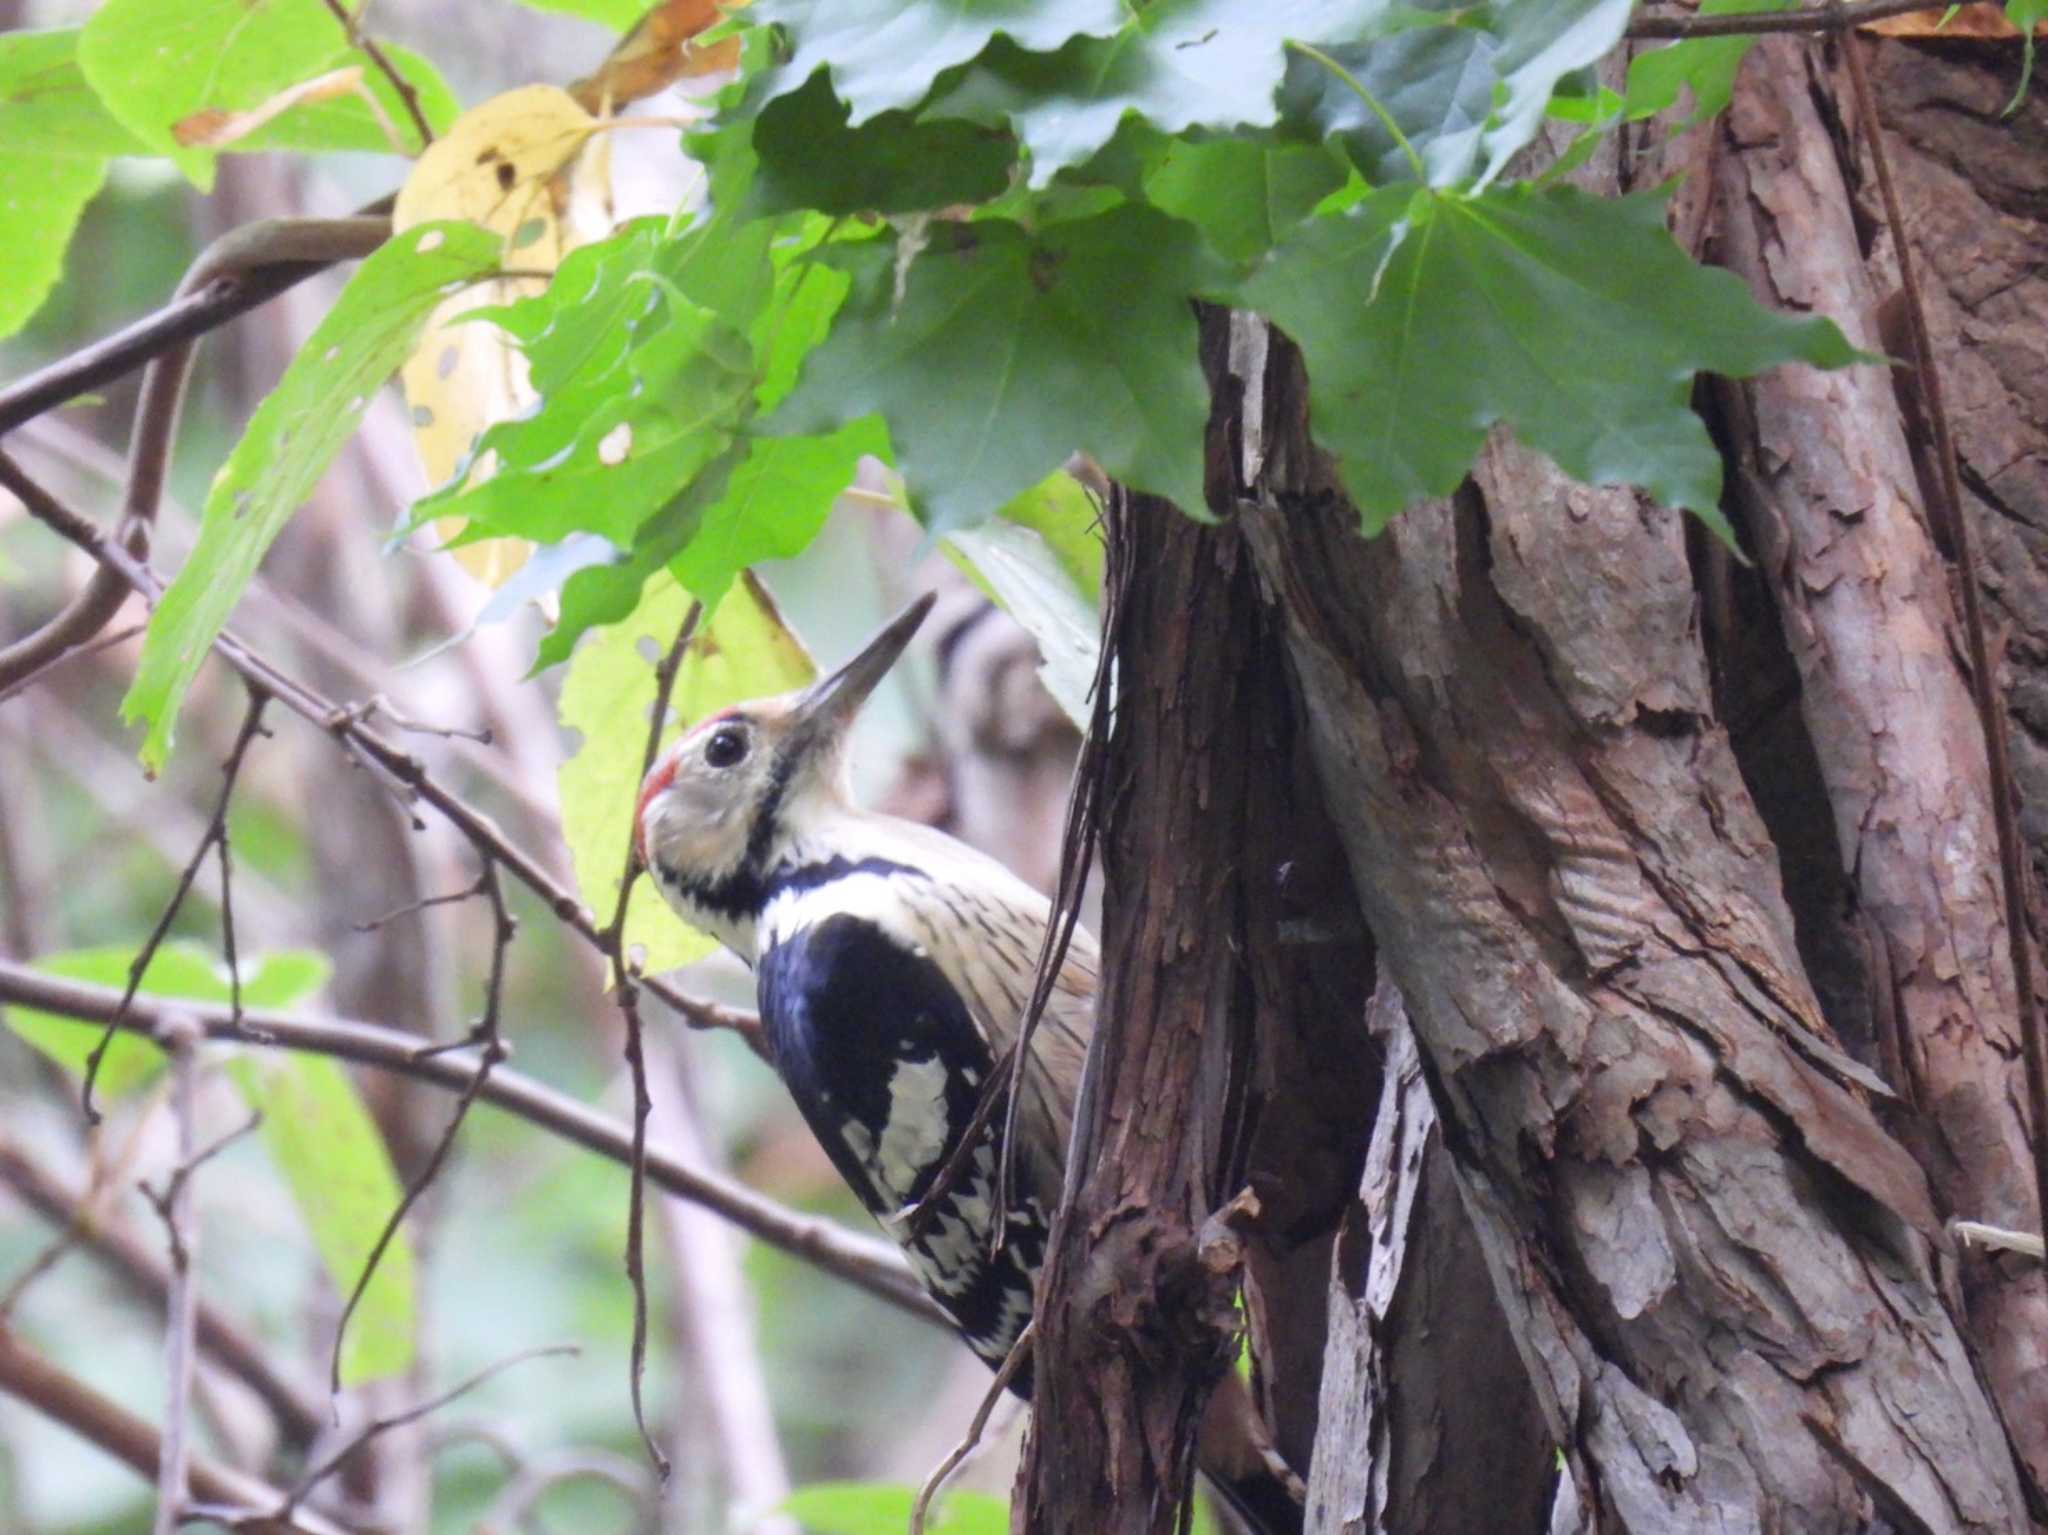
x=1310 y=51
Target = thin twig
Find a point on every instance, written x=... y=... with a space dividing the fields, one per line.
x=490 y=1047
x=42 y=672
x=358 y=38
x=156 y=419
x=468 y=892
x=376 y=1426
x=1820 y=18
x=1012 y=1362
x=515 y=1505
x=478 y=829
x=216 y=836
x=623 y=981
x=173 y=1489
x=2012 y=856
x=868 y=1262
x=29 y=1378
x=297 y=1410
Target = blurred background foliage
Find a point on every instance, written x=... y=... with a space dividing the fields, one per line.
x=518 y=1242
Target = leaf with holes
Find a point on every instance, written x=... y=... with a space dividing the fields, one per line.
x=287 y=446
x=764 y=500
x=1010 y=351
x=1425 y=318
x=743 y=651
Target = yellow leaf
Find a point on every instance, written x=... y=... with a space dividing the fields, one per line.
x=532 y=166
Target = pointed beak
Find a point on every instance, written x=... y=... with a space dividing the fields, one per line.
x=828 y=706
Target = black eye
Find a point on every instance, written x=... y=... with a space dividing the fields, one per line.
x=728 y=744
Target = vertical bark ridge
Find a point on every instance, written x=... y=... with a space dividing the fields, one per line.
x=1830 y=487
x=1697 y=1228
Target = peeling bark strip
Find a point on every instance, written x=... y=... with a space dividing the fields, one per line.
x=1428 y=1425
x=1700 y=1235
x=1834 y=503
x=1134 y=1327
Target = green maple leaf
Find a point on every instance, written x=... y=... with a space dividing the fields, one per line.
x=1425 y=318
x=1179 y=64
x=1009 y=351
x=884 y=54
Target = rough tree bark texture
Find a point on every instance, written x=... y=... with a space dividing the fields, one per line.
x=1428 y=1423
x=1642 y=839
x=1134 y=1327
x=1827 y=485
x=1703 y=1239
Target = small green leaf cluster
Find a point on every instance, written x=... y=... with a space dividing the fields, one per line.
x=973 y=237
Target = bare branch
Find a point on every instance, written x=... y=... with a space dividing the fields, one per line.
x=216 y=836
x=351 y=26
x=376 y=1426
x=1822 y=18
x=1012 y=1362
x=623 y=981
x=517 y=1502
x=77 y=653
x=30 y=1378
x=297 y=1411
x=252 y=248
x=403 y=768
x=207 y=307
x=491 y=1050
x=867 y=1262
x=180 y=1036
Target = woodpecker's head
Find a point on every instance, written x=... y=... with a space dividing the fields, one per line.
x=729 y=803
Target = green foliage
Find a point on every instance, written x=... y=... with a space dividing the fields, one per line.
x=160 y=63
x=287 y=446
x=1706 y=66
x=1010 y=350
x=328 y=1148
x=872 y=1508
x=1427 y=317
x=654 y=354
x=55 y=141
x=883 y=54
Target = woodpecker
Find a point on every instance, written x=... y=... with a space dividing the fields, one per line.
x=894 y=965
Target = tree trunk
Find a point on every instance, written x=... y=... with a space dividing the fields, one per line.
x=1694 y=988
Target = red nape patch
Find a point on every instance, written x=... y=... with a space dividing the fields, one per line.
x=662 y=775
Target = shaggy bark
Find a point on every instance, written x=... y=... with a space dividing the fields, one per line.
x=1136 y=1320
x=1828 y=486
x=1428 y=1424
x=1703 y=1240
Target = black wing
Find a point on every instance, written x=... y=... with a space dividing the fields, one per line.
x=887 y=1067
